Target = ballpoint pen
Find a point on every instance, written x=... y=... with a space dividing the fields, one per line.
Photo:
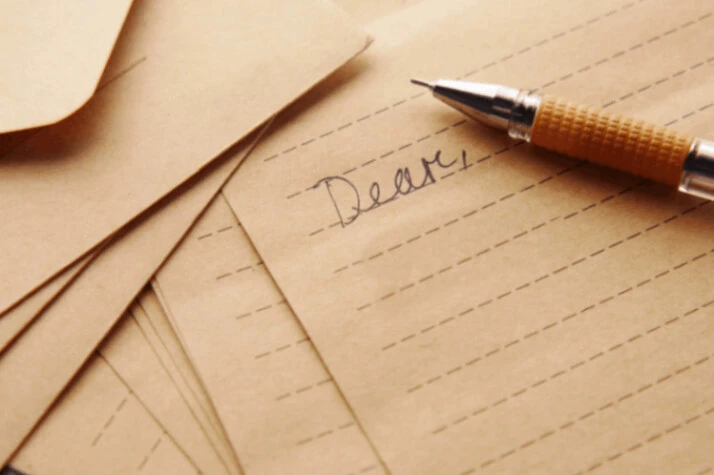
x=585 y=132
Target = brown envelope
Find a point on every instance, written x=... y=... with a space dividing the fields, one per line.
x=184 y=83
x=46 y=80
x=53 y=57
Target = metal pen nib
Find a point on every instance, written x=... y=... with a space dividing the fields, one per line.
x=499 y=106
x=426 y=84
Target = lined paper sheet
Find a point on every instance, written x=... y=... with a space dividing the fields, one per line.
x=507 y=309
x=279 y=405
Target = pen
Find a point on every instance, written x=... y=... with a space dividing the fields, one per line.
x=651 y=151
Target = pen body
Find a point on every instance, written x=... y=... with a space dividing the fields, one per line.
x=627 y=144
x=635 y=146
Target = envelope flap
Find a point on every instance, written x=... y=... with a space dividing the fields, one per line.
x=53 y=56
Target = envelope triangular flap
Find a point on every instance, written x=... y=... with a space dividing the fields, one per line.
x=52 y=56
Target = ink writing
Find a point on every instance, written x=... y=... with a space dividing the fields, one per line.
x=350 y=204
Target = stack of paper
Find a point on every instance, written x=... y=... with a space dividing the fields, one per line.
x=511 y=311
x=94 y=202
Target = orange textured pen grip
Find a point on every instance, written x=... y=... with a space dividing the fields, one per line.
x=630 y=145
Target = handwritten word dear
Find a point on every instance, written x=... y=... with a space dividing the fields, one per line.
x=350 y=204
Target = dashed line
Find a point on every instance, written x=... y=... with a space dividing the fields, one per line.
x=240 y=270
x=564 y=267
x=612 y=404
x=146 y=458
x=622 y=53
x=572 y=316
x=326 y=433
x=156 y=445
x=96 y=439
x=689 y=114
x=218 y=231
x=111 y=419
x=571 y=369
x=282 y=348
x=649 y=440
x=121 y=405
x=261 y=309
x=365 y=469
x=303 y=389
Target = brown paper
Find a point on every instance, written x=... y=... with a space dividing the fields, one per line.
x=508 y=310
x=280 y=408
x=53 y=57
x=366 y=11
x=100 y=426
x=324 y=461
x=131 y=359
x=180 y=88
x=55 y=346
x=131 y=356
x=157 y=329
x=14 y=321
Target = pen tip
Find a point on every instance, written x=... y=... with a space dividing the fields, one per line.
x=419 y=82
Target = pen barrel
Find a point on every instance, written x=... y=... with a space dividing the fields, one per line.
x=631 y=145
